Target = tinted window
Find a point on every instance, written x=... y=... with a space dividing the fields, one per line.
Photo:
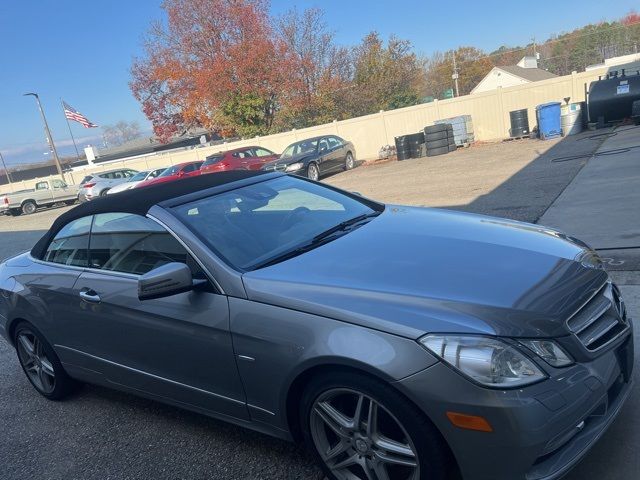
x=252 y=224
x=191 y=167
x=107 y=175
x=155 y=173
x=324 y=144
x=128 y=243
x=334 y=142
x=212 y=159
x=69 y=246
x=170 y=171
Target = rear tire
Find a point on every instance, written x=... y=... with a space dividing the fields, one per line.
x=396 y=419
x=349 y=161
x=29 y=207
x=70 y=202
x=40 y=363
x=14 y=212
x=103 y=193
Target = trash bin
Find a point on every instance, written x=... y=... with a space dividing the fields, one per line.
x=548 y=115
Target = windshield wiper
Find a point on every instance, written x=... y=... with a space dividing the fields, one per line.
x=344 y=226
x=316 y=241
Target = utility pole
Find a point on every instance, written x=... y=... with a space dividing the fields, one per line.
x=455 y=74
x=6 y=170
x=48 y=132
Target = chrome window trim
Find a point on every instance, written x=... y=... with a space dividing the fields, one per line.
x=114 y=273
x=157 y=377
x=190 y=252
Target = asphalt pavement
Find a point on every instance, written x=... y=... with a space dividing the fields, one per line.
x=105 y=434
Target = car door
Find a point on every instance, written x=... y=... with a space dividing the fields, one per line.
x=336 y=153
x=178 y=347
x=324 y=156
x=261 y=156
x=61 y=191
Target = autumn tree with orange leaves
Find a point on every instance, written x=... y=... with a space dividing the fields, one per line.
x=215 y=64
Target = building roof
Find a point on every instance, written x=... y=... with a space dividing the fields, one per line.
x=530 y=74
x=140 y=200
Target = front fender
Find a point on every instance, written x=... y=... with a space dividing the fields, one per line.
x=276 y=345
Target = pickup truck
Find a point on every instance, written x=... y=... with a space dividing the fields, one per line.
x=45 y=194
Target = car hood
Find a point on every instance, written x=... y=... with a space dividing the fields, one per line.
x=412 y=271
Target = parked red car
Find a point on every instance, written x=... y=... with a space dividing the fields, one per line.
x=175 y=172
x=245 y=158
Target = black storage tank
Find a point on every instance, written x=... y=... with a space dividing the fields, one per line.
x=519 y=123
x=611 y=99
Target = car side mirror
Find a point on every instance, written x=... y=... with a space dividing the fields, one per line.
x=166 y=280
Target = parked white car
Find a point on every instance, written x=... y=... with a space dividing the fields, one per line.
x=136 y=179
x=98 y=184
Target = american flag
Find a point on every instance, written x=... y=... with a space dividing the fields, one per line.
x=72 y=114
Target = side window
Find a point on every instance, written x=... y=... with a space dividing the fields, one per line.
x=334 y=142
x=155 y=173
x=323 y=145
x=129 y=173
x=117 y=175
x=108 y=176
x=189 y=168
x=262 y=152
x=42 y=186
x=123 y=242
x=58 y=184
x=70 y=245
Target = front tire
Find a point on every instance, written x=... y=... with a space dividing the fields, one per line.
x=312 y=172
x=361 y=428
x=40 y=363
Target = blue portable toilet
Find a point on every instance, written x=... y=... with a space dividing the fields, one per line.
x=548 y=115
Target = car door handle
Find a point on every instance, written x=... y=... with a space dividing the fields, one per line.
x=90 y=296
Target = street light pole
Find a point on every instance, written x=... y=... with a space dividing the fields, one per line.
x=48 y=132
x=6 y=170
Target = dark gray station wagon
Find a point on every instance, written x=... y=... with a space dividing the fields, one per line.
x=399 y=343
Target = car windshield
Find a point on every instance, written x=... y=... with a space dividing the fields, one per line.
x=260 y=224
x=212 y=159
x=138 y=177
x=305 y=146
x=170 y=171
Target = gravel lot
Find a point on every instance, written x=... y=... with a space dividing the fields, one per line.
x=103 y=434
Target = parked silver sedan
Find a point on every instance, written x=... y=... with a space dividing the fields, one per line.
x=398 y=342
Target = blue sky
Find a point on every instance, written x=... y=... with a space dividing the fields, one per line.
x=81 y=50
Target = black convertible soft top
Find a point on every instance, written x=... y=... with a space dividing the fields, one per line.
x=140 y=200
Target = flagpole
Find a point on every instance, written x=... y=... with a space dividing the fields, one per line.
x=70 y=132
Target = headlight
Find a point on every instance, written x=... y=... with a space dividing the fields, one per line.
x=294 y=166
x=549 y=351
x=488 y=361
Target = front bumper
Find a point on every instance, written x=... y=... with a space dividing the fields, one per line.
x=538 y=431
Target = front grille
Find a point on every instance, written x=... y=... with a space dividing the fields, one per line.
x=601 y=320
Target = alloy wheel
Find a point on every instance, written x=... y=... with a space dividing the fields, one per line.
x=349 y=162
x=35 y=363
x=312 y=172
x=359 y=439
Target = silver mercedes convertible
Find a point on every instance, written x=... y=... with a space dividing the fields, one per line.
x=397 y=342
